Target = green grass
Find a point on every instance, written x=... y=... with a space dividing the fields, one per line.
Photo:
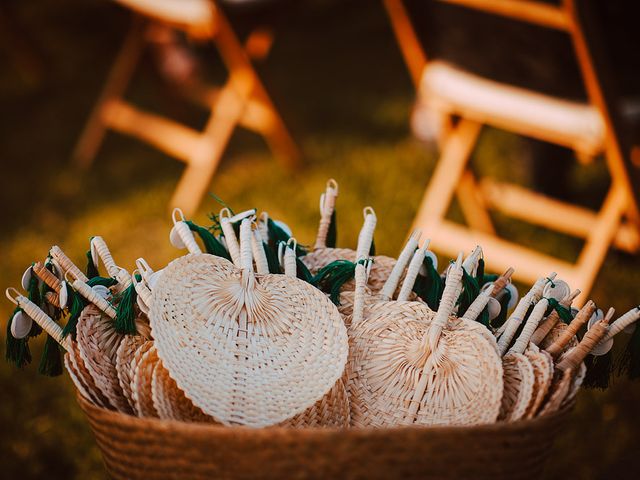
x=340 y=83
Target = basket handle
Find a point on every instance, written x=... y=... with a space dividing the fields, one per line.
x=583 y=316
x=447 y=303
x=391 y=285
x=593 y=337
x=546 y=325
x=522 y=342
x=65 y=263
x=327 y=207
x=38 y=316
x=512 y=324
x=90 y=294
x=262 y=264
x=230 y=236
x=412 y=271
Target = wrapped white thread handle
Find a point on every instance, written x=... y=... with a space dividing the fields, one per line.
x=362 y=266
x=102 y=250
x=65 y=263
x=230 y=236
x=262 y=265
x=327 y=207
x=522 y=342
x=514 y=321
x=365 y=238
x=412 y=272
x=90 y=295
x=290 y=266
x=593 y=337
x=583 y=316
x=143 y=291
x=449 y=297
x=405 y=256
x=184 y=232
x=246 y=257
x=621 y=323
x=546 y=325
x=475 y=309
x=38 y=316
x=470 y=263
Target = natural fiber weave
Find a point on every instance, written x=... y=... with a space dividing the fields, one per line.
x=556 y=332
x=144 y=361
x=151 y=449
x=542 y=364
x=84 y=376
x=332 y=410
x=79 y=384
x=251 y=350
x=124 y=358
x=518 y=387
x=170 y=402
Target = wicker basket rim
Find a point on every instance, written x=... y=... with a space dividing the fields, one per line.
x=220 y=430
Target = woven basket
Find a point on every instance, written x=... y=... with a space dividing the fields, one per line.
x=140 y=448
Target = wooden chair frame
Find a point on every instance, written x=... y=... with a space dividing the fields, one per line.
x=615 y=223
x=241 y=101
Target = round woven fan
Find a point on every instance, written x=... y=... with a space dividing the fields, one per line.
x=144 y=361
x=124 y=358
x=247 y=349
x=411 y=365
x=542 y=364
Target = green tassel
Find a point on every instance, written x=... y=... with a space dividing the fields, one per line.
x=102 y=281
x=480 y=273
x=51 y=360
x=332 y=233
x=429 y=288
x=303 y=273
x=563 y=312
x=125 y=322
x=16 y=349
x=272 y=259
x=599 y=369
x=333 y=276
x=504 y=306
x=470 y=290
x=75 y=304
x=629 y=362
x=277 y=235
x=92 y=269
x=212 y=245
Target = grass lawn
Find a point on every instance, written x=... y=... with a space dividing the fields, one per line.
x=340 y=83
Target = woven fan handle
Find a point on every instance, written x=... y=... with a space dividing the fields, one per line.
x=327 y=207
x=90 y=295
x=185 y=234
x=289 y=261
x=475 y=309
x=447 y=302
x=593 y=337
x=102 y=250
x=230 y=236
x=53 y=298
x=38 y=316
x=512 y=324
x=246 y=251
x=44 y=274
x=391 y=285
x=359 y=293
x=365 y=238
x=66 y=264
x=623 y=322
x=501 y=282
x=412 y=272
x=470 y=263
x=583 y=316
x=142 y=289
x=263 y=226
x=552 y=319
x=522 y=342
x=262 y=264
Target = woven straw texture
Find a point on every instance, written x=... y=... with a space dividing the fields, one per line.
x=518 y=386
x=98 y=344
x=388 y=344
x=144 y=361
x=124 y=358
x=224 y=334
x=84 y=377
x=332 y=410
x=542 y=364
x=152 y=449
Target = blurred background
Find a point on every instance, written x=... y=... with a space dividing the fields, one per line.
x=336 y=76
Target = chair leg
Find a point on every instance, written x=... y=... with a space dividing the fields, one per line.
x=201 y=166
x=444 y=181
x=473 y=204
x=117 y=81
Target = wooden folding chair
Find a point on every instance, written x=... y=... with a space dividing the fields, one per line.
x=242 y=100
x=468 y=102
